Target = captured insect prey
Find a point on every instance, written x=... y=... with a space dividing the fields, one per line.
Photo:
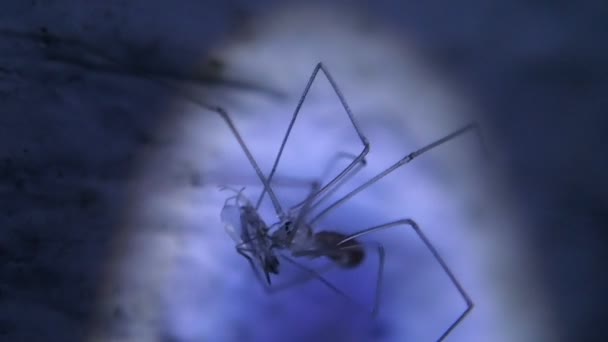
x=296 y=236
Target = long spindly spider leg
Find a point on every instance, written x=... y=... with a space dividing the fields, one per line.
x=265 y=182
x=341 y=155
x=329 y=191
x=161 y=82
x=319 y=252
x=224 y=115
x=379 y=275
x=330 y=166
x=238 y=195
x=301 y=218
x=271 y=289
x=409 y=222
x=364 y=141
x=311 y=274
x=408 y=158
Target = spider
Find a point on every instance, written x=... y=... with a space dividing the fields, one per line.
x=295 y=233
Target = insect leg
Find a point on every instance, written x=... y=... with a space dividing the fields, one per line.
x=314 y=274
x=379 y=276
x=243 y=251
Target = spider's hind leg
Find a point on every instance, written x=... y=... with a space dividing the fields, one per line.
x=412 y=224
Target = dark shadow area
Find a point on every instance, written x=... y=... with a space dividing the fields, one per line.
x=539 y=72
x=77 y=112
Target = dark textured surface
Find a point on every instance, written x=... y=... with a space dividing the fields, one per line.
x=540 y=69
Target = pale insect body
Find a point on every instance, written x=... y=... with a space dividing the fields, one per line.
x=253 y=241
x=294 y=232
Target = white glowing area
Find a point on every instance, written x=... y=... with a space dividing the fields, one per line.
x=179 y=274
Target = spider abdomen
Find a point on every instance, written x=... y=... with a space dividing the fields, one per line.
x=349 y=254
